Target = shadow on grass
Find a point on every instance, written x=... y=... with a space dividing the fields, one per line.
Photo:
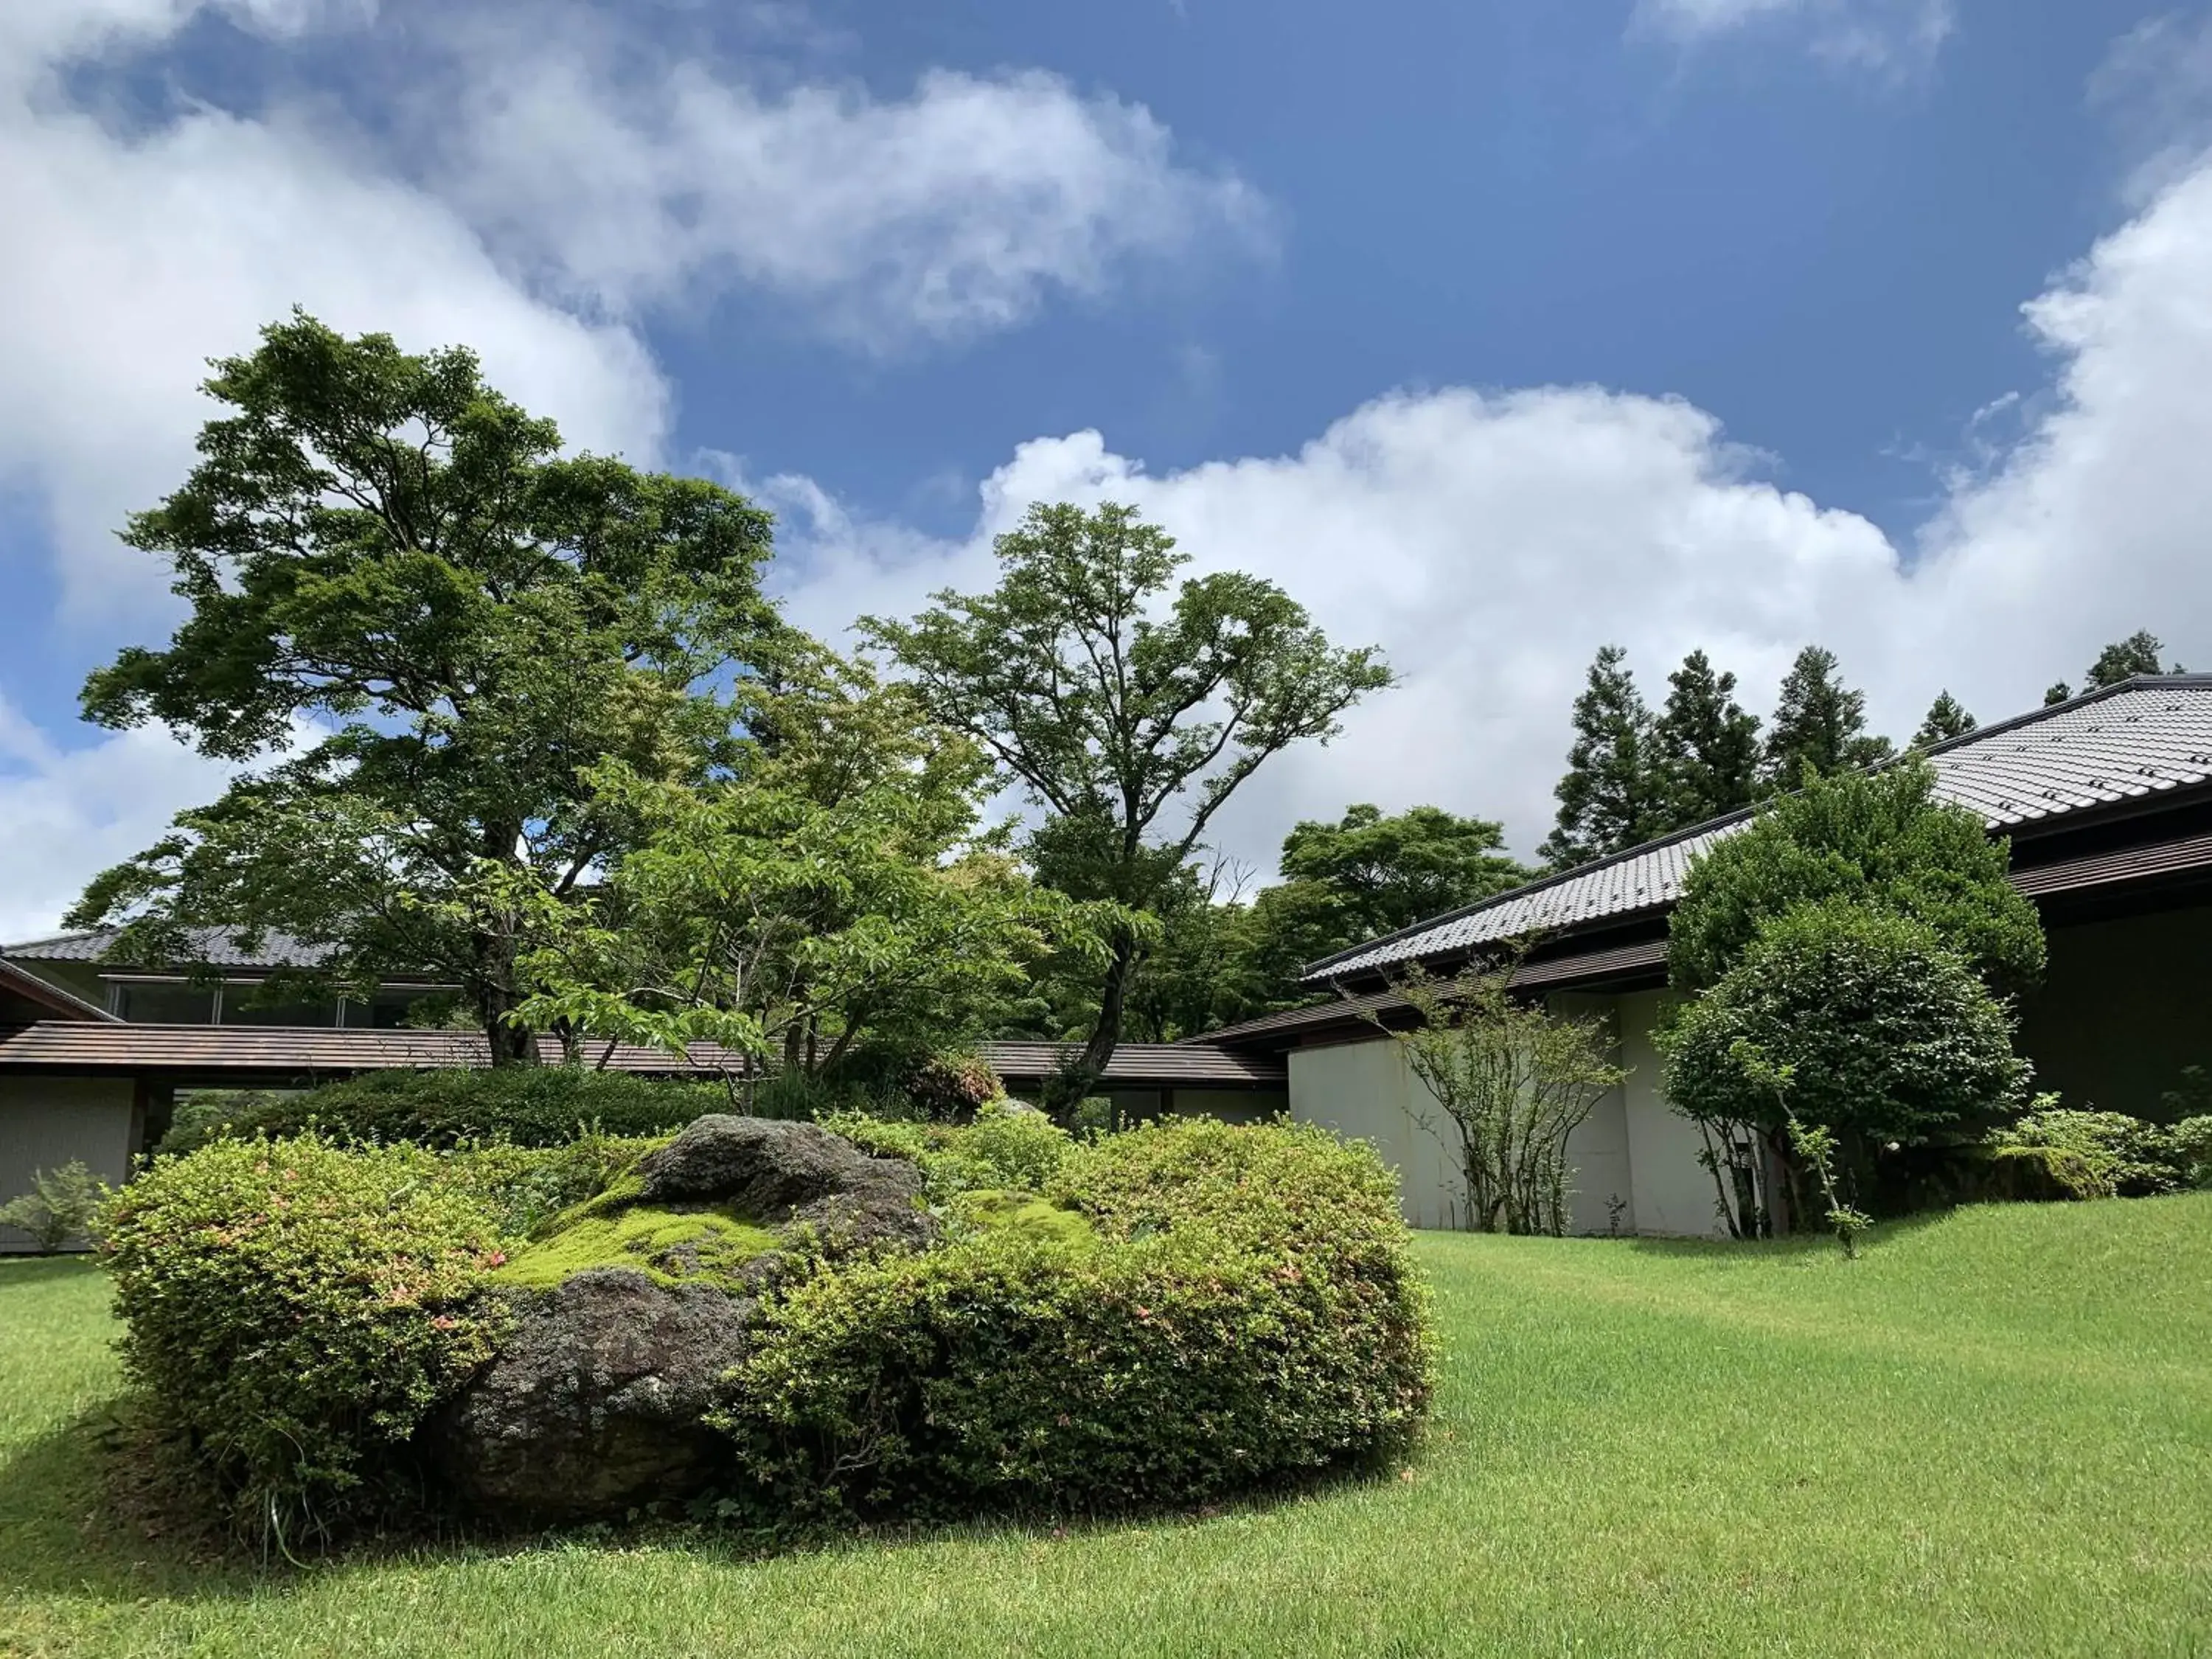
x=80 y=1518
x=1804 y=1243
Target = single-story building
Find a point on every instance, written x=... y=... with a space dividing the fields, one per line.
x=2107 y=802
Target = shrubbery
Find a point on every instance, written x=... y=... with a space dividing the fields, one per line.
x=294 y=1311
x=526 y=1105
x=1240 y=1307
x=2119 y=1155
x=1160 y=1317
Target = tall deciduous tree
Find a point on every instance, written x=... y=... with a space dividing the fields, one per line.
x=1819 y=723
x=1705 y=747
x=1127 y=714
x=430 y=622
x=1947 y=718
x=1610 y=797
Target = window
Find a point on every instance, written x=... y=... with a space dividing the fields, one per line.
x=144 y=1002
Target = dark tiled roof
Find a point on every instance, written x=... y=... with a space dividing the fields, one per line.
x=211 y=947
x=242 y=1051
x=2141 y=738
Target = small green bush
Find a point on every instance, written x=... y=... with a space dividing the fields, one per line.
x=2192 y=1149
x=2125 y=1155
x=1005 y=1146
x=2033 y=1174
x=1239 y=1306
x=294 y=1311
x=526 y=1105
x=62 y=1205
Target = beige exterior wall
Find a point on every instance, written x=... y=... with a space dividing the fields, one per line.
x=1633 y=1150
x=48 y=1122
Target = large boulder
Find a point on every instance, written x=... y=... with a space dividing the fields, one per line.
x=766 y=1168
x=591 y=1407
x=628 y=1315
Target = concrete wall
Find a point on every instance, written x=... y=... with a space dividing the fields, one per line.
x=2123 y=1007
x=1633 y=1150
x=46 y=1122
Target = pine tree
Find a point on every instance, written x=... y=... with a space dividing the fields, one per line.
x=1607 y=799
x=2058 y=692
x=1820 y=722
x=1705 y=748
x=1946 y=719
x=2138 y=653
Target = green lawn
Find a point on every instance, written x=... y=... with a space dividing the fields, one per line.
x=1991 y=1435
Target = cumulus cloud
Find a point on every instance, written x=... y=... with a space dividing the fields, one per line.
x=1492 y=542
x=956 y=209
x=1886 y=35
x=64 y=816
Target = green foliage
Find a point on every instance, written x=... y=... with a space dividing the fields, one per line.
x=1820 y=726
x=295 y=1311
x=381 y=544
x=2192 y=1140
x=835 y=891
x=1815 y=1145
x=1610 y=797
x=1004 y=1146
x=62 y=1205
x=2124 y=1155
x=528 y=1106
x=1513 y=1081
x=1880 y=839
x=1244 y=1309
x=1705 y=748
x=1884 y=1032
x=2138 y=653
x=1947 y=718
x=2031 y=1175
x=1129 y=716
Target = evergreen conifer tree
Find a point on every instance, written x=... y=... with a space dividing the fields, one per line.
x=1609 y=799
x=1820 y=722
x=1705 y=747
x=2138 y=653
x=1946 y=719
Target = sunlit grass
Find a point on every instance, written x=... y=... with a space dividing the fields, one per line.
x=1991 y=1435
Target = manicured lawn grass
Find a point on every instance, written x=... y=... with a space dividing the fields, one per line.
x=1992 y=1435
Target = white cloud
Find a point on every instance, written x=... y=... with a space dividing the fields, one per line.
x=66 y=816
x=1491 y=542
x=954 y=210
x=1892 y=36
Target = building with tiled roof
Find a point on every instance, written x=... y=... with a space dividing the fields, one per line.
x=2106 y=803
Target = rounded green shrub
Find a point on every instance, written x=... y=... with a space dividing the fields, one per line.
x=1223 y=1308
x=1004 y=1145
x=526 y=1105
x=2124 y=1156
x=293 y=1312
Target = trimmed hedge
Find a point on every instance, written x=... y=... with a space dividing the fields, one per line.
x=1158 y=1318
x=526 y=1105
x=1240 y=1308
x=295 y=1309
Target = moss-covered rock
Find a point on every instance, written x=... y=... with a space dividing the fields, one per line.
x=668 y=1245
x=1021 y=1213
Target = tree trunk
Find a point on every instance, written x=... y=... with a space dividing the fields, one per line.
x=1082 y=1077
x=496 y=997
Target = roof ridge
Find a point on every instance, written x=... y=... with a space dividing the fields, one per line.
x=2134 y=683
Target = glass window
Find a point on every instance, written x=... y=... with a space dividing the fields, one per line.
x=239 y=1008
x=165 y=1004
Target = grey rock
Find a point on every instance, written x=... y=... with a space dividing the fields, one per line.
x=592 y=1406
x=769 y=1169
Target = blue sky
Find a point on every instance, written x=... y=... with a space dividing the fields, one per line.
x=1493 y=331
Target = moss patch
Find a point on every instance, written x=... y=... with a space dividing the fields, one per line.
x=1022 y=1212
x=672 y=1247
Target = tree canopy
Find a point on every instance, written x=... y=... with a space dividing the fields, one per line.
x=1878 y=838
x=1127 y=705
x=1946 y=719
x=430 y=622
x=1610 y=796
x=1819 y=724
x=1705 y=748
x=2140 y=653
